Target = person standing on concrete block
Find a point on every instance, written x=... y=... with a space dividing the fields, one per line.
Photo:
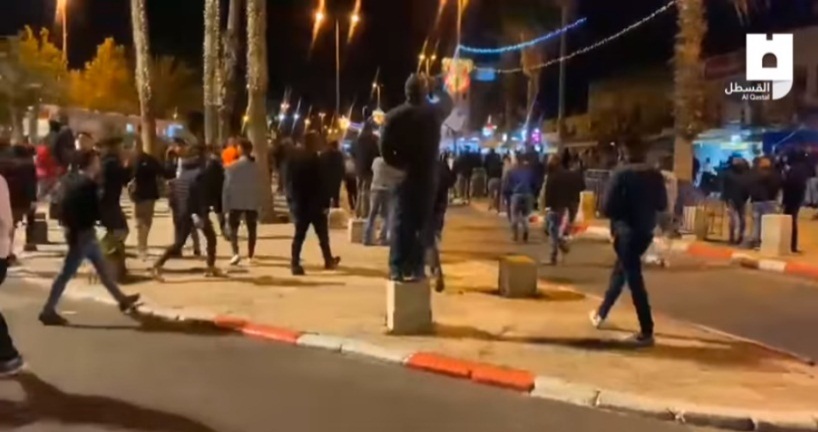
x=306 y=187
x=636 y=195
x=445 y=181
x=522 y=186
x=410 y=142
x=241 y=199
x=765 y=185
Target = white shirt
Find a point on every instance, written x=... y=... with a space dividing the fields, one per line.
x=6 y=219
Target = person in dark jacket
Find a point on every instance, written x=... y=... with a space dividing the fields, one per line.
x=81 y=195
x=794 y=190
x=364 y=152
x=410 y=141
x=213 y=173
x=561 y=194
x=493 y=165
x=23 y=189
x=333 y=162
x=173 y=165
x=115 y=175
x=191 y=199
x=636 y=195
x=521 y=185
x=147 y=172
x=735 y=194
x=307 y=190
x=765 y=185
x=445 y=181
x=61 y=142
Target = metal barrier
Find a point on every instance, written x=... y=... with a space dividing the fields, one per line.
x=596 y=181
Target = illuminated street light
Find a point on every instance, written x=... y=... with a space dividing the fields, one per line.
x=320 y=17
x=355 y=19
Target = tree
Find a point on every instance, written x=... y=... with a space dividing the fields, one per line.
x=141 y=40
x=689 y=109
x=107 y=81
x=230 y=65
x=212 y=69
x=176 y=87
x=257 y=97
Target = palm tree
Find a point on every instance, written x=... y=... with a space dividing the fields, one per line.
x=257 y=96
x=689 y=80
x=139 y=25
x=230 y=64
x=176 y=86
x=212 y=70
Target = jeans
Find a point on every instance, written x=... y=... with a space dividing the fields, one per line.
x=520 y=211
x=362 y=203
x=759 y=210
x=184 y=229
x=234 y=218
x=495 y=196
x=194 y=235
x=553 y=223
x=738 y=222
x=412 y=214
x=82 y=245
x=629 y=246
x=320 y=224
x=792 y=211
x=143 y=214
x=7 y=349
x=380 y=205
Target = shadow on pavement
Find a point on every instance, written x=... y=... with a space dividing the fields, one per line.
x=548 y=295
x=708 y=352
x=152 y=324
x=47 y=403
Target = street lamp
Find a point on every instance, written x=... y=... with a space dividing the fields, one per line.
x=62 y=15
x=355 y=19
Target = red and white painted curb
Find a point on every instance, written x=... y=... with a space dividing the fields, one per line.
x=708 y=251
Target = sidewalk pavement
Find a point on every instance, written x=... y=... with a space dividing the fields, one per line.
x=544 y=346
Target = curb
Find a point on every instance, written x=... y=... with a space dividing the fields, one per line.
x=708 y=251
x=522 y=381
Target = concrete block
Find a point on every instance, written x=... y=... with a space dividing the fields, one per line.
x=563 y=391
x=312 y=340
x=408 y=307
x=776 y=234
x=635 y=404
x=355 y=230
x=338 y=219
x=587 y=206
x=518 y=276
x=376 y=352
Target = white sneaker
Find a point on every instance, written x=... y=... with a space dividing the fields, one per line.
x=596 y=320
x=236 y=260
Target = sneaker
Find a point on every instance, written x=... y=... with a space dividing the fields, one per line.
x=640 y=340
x=236 y=260
x=52 y=319
x=332 y=264
x=297 y=270
x=129 y=303
x=213 y=272
x=564 y=247
x=11 y=367
x=596 y=320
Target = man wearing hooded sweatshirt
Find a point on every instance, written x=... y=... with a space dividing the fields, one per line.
x=765 y=185
x=365 y=150
x=635 y=197
x=190 y=198
x=410 y=141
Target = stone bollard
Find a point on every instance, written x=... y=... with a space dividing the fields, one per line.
x=408 y=308
x=776 y=234
x=517 y=276
x=355 y=230
x=587 y=206
x=338 y=219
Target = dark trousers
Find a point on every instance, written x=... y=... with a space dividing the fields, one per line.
x=408 y=240
x=792 y=211
x=629 y=246
x=7 y=349
x=251 y=220
x=351 y=185
x=335 y=194
x=320 y=224
x=194 y=235
x=184 y=229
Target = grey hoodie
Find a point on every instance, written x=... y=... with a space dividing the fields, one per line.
x=385 y=176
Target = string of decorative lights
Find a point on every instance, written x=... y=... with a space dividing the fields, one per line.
x=523 y=45
x=588 y=48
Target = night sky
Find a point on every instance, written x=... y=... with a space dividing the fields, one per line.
x=391 y=35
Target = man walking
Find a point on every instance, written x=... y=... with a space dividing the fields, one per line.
x=11 y=362
x=190 y=198
x=560 y=195
x=521 y=186
x=241 y=198
x=115 y=175
x=636 y=195
x=333 y=164
x=306 y=187
x=410 y=141
x=80 y=195
x=144 y=191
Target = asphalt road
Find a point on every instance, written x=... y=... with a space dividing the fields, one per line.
x=110 y=373
x=774 y=309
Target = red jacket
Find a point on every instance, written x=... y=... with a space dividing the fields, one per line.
x=47 y=167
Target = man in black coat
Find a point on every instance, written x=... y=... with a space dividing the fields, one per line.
x=115 y=175
x=333 y=163
x=365 y=150
x=410 y=142
x=735 y=193
x=306 y=185
x=214 y=181
x=794 y=188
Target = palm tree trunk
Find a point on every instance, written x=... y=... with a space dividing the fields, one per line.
x=139 y=24
x=230 y=64
x=257 y=94
x=211 y=70
x=689 y=82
